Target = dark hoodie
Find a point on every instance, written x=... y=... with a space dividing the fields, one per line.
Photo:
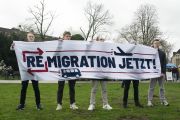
x=162 y=57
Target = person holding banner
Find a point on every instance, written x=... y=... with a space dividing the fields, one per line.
x=95 y=83
x=66 y=36
x=24 y=83
x=136 y=93
x=160 y=80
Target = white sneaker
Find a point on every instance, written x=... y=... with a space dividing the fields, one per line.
x=91 y=107
x=73 y=106
x=107 y=107
x=59 y=107
x=164 y=102
x=149 y=104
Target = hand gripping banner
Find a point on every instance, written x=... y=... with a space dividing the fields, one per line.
x=70 y=59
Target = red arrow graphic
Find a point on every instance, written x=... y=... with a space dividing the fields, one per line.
x=30 y=71
x=39 y=51
x=81 y=51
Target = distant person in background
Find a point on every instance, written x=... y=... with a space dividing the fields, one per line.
x=160 y=80
x=24 y=83
x=174 y=73
x=177 y=73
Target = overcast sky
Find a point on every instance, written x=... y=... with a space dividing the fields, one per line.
x=70 y=15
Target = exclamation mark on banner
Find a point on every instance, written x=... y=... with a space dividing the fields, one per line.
x=154 y=64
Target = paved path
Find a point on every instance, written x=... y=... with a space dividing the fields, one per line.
x=54 y=81
x=19 y=81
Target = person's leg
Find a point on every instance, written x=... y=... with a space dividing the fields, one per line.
x=177 y=76
x=136 y=93
x=93 y=94
x=72 y=94
x=173 y=77
x=23 y=91
x=152 y=85
x=104 y=95
x=72 y=90
x=24 y=85
x=93 y=91
x=104 y=91
x=126 y=90
x=60 y=92
x=35 y=85
x=161 y=89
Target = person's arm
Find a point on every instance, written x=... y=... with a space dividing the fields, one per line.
x=164 y=63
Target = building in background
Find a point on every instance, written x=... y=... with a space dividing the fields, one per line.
x=176 y=58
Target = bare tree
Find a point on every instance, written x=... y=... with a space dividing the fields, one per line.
x=97 y=18
x=26 y=27
x=42 y=18
x=144 y=27
x=130 y=33
x=146 y=17
x=167 y=48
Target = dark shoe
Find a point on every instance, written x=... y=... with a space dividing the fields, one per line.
x=139 y=105
x=20 y=107
x=39 y=107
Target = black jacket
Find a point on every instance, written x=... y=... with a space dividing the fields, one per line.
x=162 y=57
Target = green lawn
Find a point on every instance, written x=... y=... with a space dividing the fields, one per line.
x=9 y=99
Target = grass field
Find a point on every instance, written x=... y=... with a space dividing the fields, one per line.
x=9 y=99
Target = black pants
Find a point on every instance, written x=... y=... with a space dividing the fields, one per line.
x=71 y=91
x=126 y=91
x=24 y=89
x=122 y=84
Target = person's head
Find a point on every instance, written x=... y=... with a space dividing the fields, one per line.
x=100 y=39
x=66 y=35
x=30 y=37
x=156 y=43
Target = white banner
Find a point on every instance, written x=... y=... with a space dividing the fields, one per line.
x=69 y=59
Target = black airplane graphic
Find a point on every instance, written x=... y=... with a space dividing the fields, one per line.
x=122 y=53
